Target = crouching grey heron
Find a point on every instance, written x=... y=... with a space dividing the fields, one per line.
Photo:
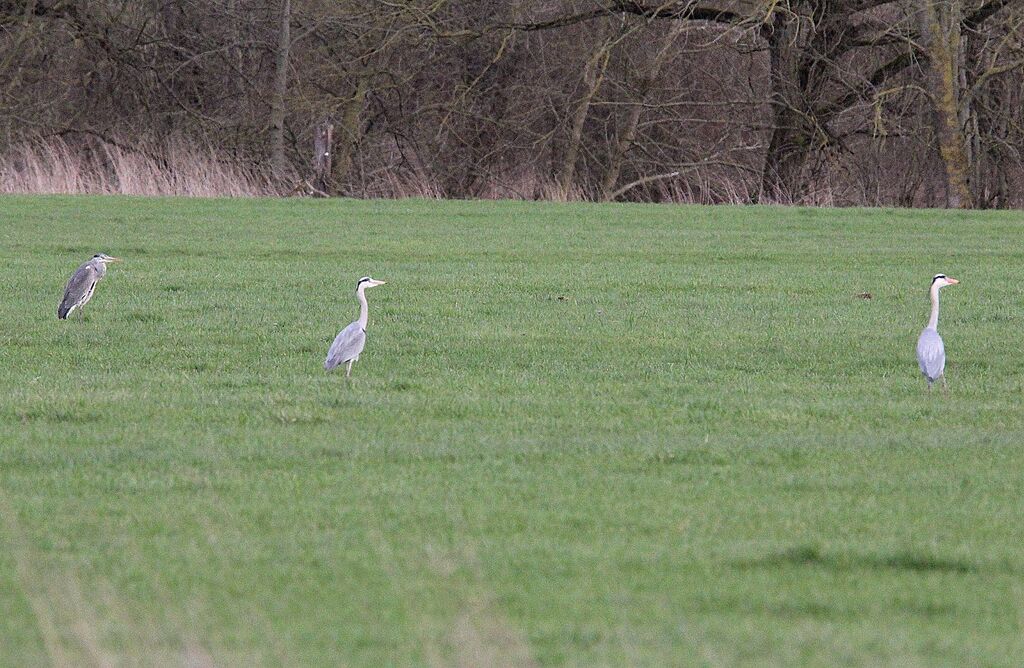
x=351 y=340
x=931 y=354
x=82 y=284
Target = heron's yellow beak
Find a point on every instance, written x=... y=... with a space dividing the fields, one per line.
x=951 y=281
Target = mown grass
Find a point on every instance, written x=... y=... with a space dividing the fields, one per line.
x=579 y=435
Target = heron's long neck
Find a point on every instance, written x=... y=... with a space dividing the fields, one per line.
x=933 y=321
x=364 y=315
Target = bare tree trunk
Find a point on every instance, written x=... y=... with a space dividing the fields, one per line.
x=322 y=140
x=628 y=133
x=940 y=35
x=790 y=144
x=235 y=52
x=593 y=75
x=277 y=108
x=350 y=128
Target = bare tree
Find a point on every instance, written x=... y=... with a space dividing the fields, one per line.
x=910 y=102
x=280 y=90
x=626 y=135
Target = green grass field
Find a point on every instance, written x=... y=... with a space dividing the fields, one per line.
x=579 y=434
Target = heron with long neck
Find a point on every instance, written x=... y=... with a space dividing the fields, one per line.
x=351 y=340
x=82 y=284
x=931 y=353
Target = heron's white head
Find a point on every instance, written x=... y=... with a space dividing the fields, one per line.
x=367 y=282
x=104 y=258
x=941 y=281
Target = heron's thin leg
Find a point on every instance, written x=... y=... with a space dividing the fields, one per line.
x=348 y=369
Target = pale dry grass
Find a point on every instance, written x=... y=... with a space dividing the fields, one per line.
x=179 y=167
x=175 y=167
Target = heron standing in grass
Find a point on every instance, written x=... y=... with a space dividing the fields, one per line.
x=351 y=340
x=931 y=354
x=82 y=284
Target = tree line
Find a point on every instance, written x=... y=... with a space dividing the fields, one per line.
x=841 y=102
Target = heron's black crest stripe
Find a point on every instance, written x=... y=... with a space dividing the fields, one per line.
x=937 y=277
x=362 y=280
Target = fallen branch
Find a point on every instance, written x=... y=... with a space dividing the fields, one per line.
x=639 y=182
x=305 y=188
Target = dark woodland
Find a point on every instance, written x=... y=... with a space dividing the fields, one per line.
x=819 y=102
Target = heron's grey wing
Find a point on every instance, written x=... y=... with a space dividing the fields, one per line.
x=78 y=286
x=931 y=354
x=347 y=345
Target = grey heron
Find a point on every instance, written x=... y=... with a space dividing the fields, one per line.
x=351 y=340
x=82 y=284
x=931 y=354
